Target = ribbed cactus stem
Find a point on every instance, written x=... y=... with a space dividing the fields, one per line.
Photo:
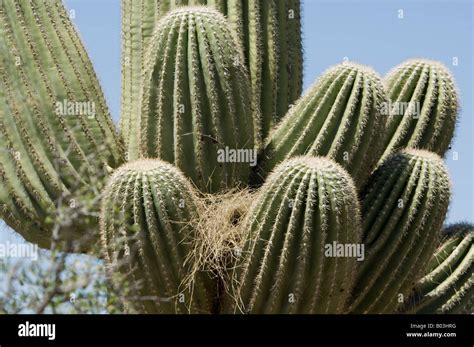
x=147 y=233
x=56 y=134
x=339 y=117
x=196 y=101
x=424 y=107
x=139 y=19
x=403 y=209
x=270 y=32
x=306 y=207
x=448 y=285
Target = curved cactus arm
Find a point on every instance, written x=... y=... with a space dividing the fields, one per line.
x=147 y=228
x=196 y=105
x=307 y=207
x=448 y=284
x=56 y=135
x=424 y=107
x=339 y=117
x=403 y=209
x=270 y=32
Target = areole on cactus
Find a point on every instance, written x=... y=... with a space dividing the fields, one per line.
x=345 y=165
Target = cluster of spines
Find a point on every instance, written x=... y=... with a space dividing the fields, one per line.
x=403 y=209
x=448 y=283
x=147 y=233
x=46 y=155
x=306 y=204
x=424 y=107
x=197 y=99
x=339 y=117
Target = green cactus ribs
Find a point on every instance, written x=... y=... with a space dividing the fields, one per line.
x=147 y=233
x=307 y=206
x=197 y=99
x=270 y=32
x=403 y=208
x=448 y=285
x=424 y=107
x=57 y=139
x=339 y=117
x=139 y=19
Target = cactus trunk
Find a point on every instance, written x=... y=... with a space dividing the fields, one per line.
x=139 y=19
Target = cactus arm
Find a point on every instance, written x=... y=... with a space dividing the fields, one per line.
x=429 y=86
x=47 y=155
x=447 y=286
x=270 y=33
x=403 y=208
x=305 y=204
x=196 y=84
x=153 y=205
x=340 y=117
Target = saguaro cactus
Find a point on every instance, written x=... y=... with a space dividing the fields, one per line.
x=424 y=107
x=403 y=208
x=147 y=233
x=306 y=206
x=197 y=99
x=339 y=117
x=448 y=285
x=56 y=134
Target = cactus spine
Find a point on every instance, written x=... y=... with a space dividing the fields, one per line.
x=448 y=286
x=339 y=117
x=305 y=205
x=197 y=99
x=403 y=208
x=270 y=32
x=424 y=107
x=49 y=151
x=146 y=229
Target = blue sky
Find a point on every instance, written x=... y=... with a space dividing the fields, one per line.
x=367 y=32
